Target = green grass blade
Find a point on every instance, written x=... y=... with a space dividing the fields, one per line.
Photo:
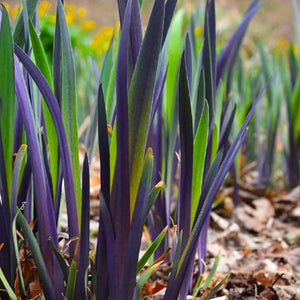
x=8 y=288
x=146 y=275
x=154 y=194
x=143 y=260
x=37 y=256
x=215 y=289
x=71 y=281
x=7 y=97
x=197 y=287
x=143 y=279
x=212 y=272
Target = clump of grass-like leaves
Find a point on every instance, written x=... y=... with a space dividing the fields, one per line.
x=158 y=95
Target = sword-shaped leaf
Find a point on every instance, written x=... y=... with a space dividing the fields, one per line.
x=84 y=242
x=200 y=143
x=211 y=186
x=69 y=100
x=141 y=95
x=120 y=197
x=150 y=251
x=103 y=147
x=136 y=229
x=19 y=30
x=7 y=286
x=229 y=53
x=53 y=106
x=209 y=56
x=7 y=99
x=44 y=208
x=42 y=64
x=186 y=148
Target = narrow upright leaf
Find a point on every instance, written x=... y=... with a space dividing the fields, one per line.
x=186 y=147
x=141 y=95
x=103 y=147
x=44 y=205
x=42 y=64
x=200 y=143
x=69 y=100
x=209 y=56
x=19 y=30
x=7 y=97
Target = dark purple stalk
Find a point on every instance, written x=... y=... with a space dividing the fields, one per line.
x=169 y=11
x=47 y=227
x=122 y=174
x=84 y=242
x=209 y=56
x=136 y=33
x=5 y=225
x=102 y=246
x=54 y=109
x=186 y=148
x=103 y=147
x=157 y=219
x=110 y=254
x=229 y=53
x=135 y=235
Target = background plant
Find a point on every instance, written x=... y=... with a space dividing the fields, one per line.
x=161 y=94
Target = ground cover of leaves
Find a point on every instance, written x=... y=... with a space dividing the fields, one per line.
x=258 y=239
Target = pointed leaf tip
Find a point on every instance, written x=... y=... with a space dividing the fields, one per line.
x=159 y=185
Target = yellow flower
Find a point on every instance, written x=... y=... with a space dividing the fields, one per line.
x=8 y=7
x=282 y=43
x=88 y=25
x=105 y=32
x=15 y=10
x=295 y=49
x=81 y=11
x=101 y=40
x=105 y=46
x=44 y=8
x=198 y=31
x=70 y=8
x=70 y=18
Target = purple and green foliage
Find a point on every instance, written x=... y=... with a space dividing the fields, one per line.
x=160 y=118
x=291 y=91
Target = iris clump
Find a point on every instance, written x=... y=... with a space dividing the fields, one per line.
x=167 y=117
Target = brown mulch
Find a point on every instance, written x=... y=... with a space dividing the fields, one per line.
x=259 y=245
x=258 y=240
